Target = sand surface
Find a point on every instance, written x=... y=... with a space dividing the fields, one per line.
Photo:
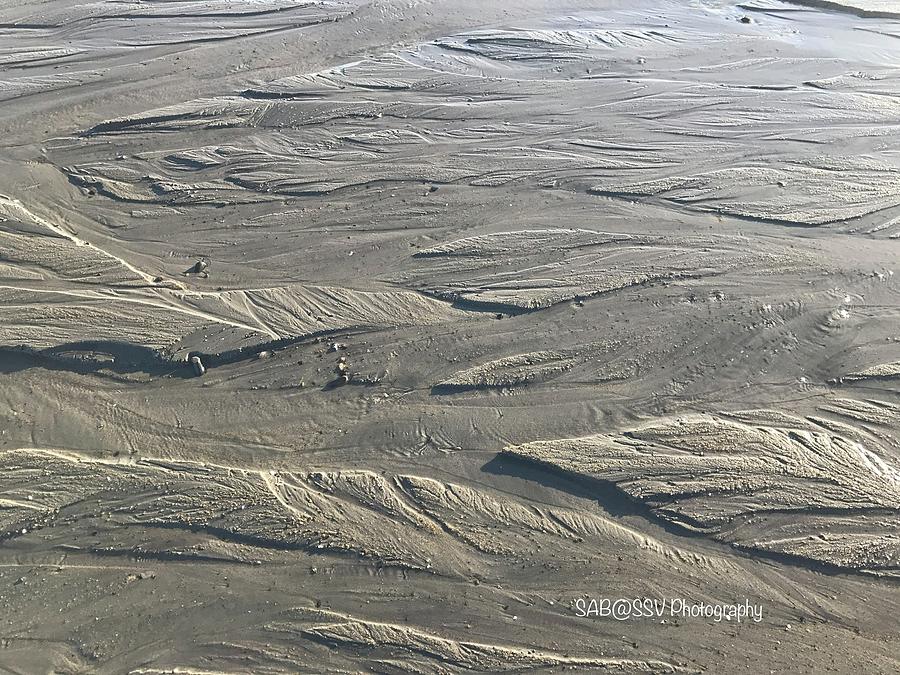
x=501 y=308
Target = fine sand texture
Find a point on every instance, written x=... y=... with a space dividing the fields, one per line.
x=383 y=336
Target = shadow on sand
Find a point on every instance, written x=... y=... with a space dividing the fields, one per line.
x=93 y=356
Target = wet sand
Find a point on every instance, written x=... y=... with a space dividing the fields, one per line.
x=386 y=336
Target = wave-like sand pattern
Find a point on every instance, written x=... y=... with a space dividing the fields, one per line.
x=775 y=489
x=385 y=335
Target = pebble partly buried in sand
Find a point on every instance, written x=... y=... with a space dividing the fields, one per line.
x=197 y=365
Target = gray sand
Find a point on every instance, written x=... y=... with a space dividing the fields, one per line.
x=388 y=336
